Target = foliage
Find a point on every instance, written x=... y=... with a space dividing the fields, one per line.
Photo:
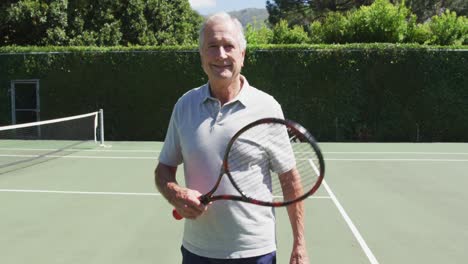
x=356 y=92
x=295 y=12
x=194 y=48
x=24 y=22
x=334 y=29
x=282 y=34
x=262 y=35
x=425 y=9
x=419 y=33
x=449 y=29
x=315 y=32
x=383 y=21
x=160 y=22
x=304 y=12
x=379 y=22
x=99 y=23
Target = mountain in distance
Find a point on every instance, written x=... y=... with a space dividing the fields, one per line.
x=255 y=16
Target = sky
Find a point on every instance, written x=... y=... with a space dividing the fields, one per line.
x=205 y=7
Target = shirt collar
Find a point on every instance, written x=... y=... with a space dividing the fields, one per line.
x=242 y=97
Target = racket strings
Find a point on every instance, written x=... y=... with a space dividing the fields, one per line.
x=265 y=148
x=248 y=159
x=303 y=178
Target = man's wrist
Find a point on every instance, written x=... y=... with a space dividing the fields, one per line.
x=299 y=241
x=171 y=192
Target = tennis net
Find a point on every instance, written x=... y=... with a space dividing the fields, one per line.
x=25 y=145
x=85 y=127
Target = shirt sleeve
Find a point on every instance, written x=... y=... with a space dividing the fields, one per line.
x=171 y=153
x=281 y=154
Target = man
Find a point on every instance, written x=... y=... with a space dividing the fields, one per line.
x=202 y=122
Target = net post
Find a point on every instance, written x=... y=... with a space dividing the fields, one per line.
x=101 y=126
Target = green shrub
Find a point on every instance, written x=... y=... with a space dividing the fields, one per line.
x=379 y=22
x=419 y=33
x=282 y=34
x=448 y=29
x=263 y=35
x=335 y=28
x=315 y=32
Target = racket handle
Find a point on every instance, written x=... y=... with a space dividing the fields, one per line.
x=176 y=215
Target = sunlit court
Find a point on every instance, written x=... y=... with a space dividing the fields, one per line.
x=79 y=201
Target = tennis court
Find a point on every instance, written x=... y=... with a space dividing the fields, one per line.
x=79 y=202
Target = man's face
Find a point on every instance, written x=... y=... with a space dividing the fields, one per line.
x=222 y=58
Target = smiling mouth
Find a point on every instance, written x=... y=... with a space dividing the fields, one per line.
x=222 y=66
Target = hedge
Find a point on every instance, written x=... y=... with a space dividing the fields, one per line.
x=358 y=92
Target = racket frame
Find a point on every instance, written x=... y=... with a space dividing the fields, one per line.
x=305 y=137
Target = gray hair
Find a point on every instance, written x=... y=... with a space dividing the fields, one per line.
x=224 y=17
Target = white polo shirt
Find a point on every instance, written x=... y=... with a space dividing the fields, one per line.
x=197 y=136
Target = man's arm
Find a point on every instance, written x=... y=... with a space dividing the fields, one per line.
x=292 y=188
x=184 y=200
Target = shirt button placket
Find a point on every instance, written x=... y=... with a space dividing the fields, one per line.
x=219 y=114
x=216 y=106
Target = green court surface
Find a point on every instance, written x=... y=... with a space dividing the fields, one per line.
x=69 y=202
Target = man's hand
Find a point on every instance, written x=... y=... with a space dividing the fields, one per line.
x=187 y=203
x=299 y=255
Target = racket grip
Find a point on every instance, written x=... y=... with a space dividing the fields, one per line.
x=176 y=215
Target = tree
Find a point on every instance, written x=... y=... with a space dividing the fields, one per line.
x=98 y=22
x=4 y=26
x=95 y=23
x=303 y=12
x=157 y=22
x=425 y=9
x=33 y=22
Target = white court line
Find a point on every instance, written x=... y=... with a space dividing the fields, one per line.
x=347 y=219
x=84 y=150
x=424 y=160
x=106 y=193
x=154 y=158
x=75 y=157
x=157 y=151
x=79 y=192
x=395 y=152
x=351 y=225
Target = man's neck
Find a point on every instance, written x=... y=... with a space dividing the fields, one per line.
x=225 y=91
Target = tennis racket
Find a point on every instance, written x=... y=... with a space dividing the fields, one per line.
x=269 y=162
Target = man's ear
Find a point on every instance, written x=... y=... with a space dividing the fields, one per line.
x=243 y=58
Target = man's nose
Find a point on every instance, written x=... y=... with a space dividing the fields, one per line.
x=222 y=52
